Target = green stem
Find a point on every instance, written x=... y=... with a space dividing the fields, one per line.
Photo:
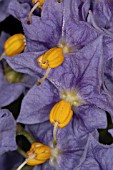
x=20 y=131
x=21 y=152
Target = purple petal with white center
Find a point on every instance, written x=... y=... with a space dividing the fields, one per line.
x=71 y=142
x=89 y=82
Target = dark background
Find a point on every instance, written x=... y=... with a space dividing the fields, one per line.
x=11 y=25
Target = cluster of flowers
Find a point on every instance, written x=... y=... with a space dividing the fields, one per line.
x=63 y=66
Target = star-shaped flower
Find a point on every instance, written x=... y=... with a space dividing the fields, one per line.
x=80 y=83
x=71 y=143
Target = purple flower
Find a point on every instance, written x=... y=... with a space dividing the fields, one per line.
x=7 y=132
x=39 y=40
x=78 y=81
x=75 y=33
x=71 y=143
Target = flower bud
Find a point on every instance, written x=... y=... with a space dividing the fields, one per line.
x=61 y=113
x=13 y=77
x=14 y=45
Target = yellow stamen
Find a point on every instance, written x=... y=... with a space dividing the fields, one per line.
x=37 y=154
x=60 y=116
x=38 y=4
x=14 y=45
x=51 y=59
x=61 y=113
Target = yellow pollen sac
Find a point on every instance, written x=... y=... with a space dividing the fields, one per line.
x=41 y=152
x=39 y=4
x=60 y=116
x=37 y=154
x=61 y=113
x=14 y=45
x=51 y=59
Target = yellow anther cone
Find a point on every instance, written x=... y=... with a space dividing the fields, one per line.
x=14 y=45
x=60 y=116
x=61 y=113
x=51 y=59
x=37 y=154
x=41 y=152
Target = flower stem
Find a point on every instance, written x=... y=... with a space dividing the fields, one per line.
x=21 y=152
x=20 y=131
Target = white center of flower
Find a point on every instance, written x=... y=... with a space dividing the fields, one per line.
x=65 y=47
x=54 y=155
x=72 y=96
